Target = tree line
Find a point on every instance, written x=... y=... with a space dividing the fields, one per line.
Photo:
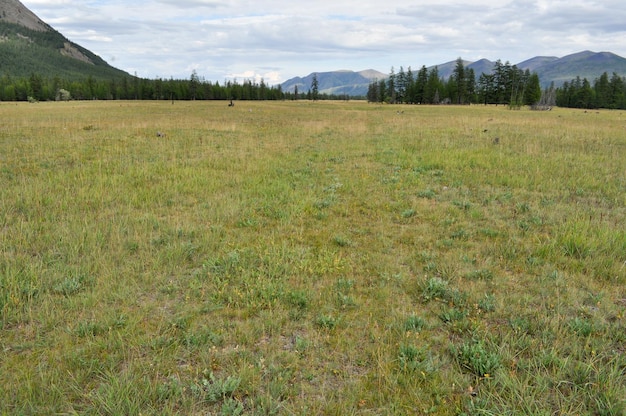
x=604 y=93
x=507 y=85
x=37 y=88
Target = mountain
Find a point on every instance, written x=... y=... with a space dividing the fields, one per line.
x=586 y=64
x=13 y=11
x=336 y=82
x=537 y=62
x=590 y=65
x=550 y=69
x=28 y=46
x=446 y=69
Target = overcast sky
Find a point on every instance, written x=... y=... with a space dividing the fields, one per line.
x=279 y=39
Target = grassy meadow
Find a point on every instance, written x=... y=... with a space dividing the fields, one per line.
x=299 y=258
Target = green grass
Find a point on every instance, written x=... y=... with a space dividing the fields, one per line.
x=311 y=258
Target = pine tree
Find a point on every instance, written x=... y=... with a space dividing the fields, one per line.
x=470 y=85
x=391 y=87
x=486 y=88
x=533 y=90
x=420 y=85
x=602 y=90
x=459 y=82
x=372 y=92
x=315 y=93
x=433 y=86
x=617 y=95
x=194 y=83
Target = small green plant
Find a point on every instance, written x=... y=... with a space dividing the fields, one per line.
x=212 y=389
x=481 y=274
x=301 y=344
x=345 y=301
x=410 y=357
x=427 y=193
x=92 y=329
x=576 y=247
x=434 y=288
x=326 y=321
x=70 y=285
x=487 y=303
x=342 y=241
x=298 y=299
x=581 y=327
x=408 y=213
x=344 y=285
x=476 y=358
x=232 y=407
x=414 y=323
x=451 y=315
x=446 y=270
x=170 y=389
x=460 y=234
x=200 y=338
x=522 y=208
x=521 y=325
x=463 y=205
x=247 y=222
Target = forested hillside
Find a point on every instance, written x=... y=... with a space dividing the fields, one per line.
x=48 y=54
x=44 y=65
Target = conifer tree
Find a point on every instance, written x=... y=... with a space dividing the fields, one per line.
x=315 y=93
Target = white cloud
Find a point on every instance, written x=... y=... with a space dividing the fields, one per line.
x=275 y=40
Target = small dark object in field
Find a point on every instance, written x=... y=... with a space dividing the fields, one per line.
x=160 y=134
x=485 y=131
x=496 y=140
x=232 y=104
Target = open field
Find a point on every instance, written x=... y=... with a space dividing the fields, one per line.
x=311 y=258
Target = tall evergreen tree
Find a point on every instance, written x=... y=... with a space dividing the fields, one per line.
x=602 y=91
x=617 y=95
x=470 y=85
x=533 y=90
x=391 y=87
x=486 y=88
x=382 y=91
x=432 y=94
x=410 y=86
x=372 y=92
x=499 y=82
x=459 y=82
x=420 y=85
x=315 y=93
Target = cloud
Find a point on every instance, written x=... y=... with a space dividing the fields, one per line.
x=275 y=40
x=191 y=4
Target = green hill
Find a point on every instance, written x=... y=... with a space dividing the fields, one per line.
x=49 y=54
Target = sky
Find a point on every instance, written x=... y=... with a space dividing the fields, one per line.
x=276 y=40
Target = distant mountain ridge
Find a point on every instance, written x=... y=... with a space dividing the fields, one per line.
x=336 y=82
x=550 y=69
